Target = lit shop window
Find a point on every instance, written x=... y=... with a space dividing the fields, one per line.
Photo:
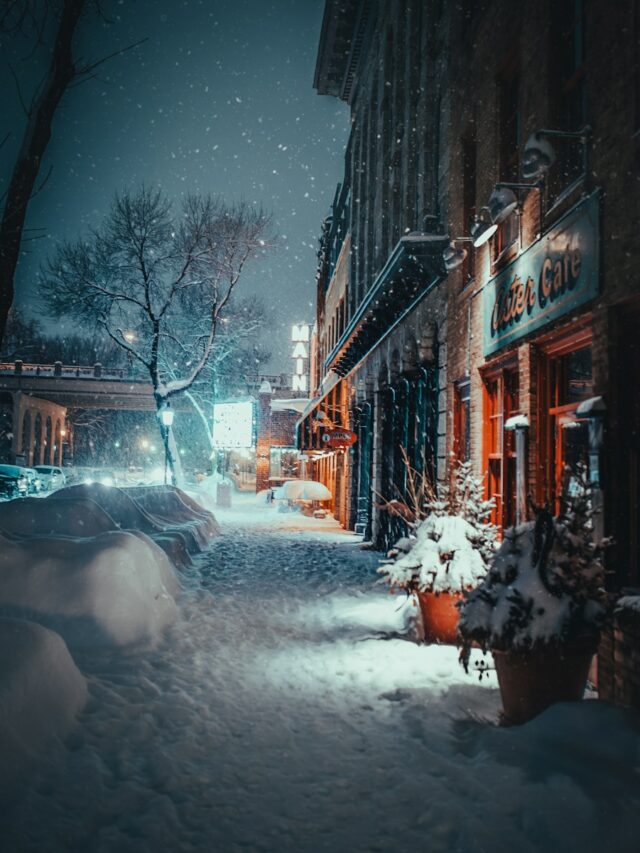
x=283 y=463
x=567 y=379
x=501 y=403
x=462 y=421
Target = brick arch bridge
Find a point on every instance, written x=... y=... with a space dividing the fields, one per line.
x=40 y=395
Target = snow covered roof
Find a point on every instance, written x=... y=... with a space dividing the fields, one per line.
x=295 y=404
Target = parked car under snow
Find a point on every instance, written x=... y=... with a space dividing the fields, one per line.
x=51 y=476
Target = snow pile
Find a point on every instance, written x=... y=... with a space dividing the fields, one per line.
x=41 y=691
x=628 y=603
x=545 y=585
x=283 y=700
x=115 y=589
x=54 y=517
x=170 y=505
x=444 y=558
x=180 y=529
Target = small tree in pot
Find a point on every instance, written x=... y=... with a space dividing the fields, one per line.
x=448 y=554
x=540 y=607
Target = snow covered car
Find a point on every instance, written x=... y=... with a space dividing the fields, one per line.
x=34 y=480
x=51 y=476
x=14 y=482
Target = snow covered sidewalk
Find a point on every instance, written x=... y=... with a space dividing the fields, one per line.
x=286 y=711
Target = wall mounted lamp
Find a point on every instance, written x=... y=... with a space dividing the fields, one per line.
x=539 y=154
x=504 y=201
x=454 y=255
x=482 y=228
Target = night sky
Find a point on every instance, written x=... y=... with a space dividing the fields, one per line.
x=218 y=99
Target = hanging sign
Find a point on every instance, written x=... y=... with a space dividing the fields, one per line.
x=555 y=275
x=300 y=335
x=339 y=438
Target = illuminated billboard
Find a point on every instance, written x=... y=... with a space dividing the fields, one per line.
x=233 y=424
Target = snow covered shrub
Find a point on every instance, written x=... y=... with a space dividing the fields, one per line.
x=452 y=543
x=545 y=586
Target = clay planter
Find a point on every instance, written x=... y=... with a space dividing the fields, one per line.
x=531 y=681
x=440 y=616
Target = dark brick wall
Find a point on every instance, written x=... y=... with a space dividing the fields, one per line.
x=619 y=661
x=497 y=34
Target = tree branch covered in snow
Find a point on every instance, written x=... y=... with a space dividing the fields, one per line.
x=159 y=282
x=33 y=20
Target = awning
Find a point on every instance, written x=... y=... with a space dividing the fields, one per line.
x=328 y=384
x=295 y=404
x=413 y=268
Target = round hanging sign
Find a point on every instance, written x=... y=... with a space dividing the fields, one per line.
x=339 y=438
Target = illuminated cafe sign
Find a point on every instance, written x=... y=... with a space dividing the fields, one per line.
x=554 y=276
x=300 y=334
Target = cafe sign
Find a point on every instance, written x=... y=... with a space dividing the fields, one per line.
x=554 y=276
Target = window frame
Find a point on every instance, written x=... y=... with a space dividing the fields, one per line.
x=504 y=375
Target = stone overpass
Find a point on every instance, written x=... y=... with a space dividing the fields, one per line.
x=39 y=396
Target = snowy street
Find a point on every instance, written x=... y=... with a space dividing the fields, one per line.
x=285 y=711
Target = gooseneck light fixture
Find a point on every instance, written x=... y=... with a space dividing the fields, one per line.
x=539 y=154
x=504 y=201
x=454 y=255
x=482 y=228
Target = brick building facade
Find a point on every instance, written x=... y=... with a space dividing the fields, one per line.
x=382 y=318
x=478 y=291
x=567 y=366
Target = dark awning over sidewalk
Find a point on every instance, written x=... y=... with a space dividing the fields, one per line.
x=414 y=267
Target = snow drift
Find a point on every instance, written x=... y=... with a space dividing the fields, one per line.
x=115 y=589
x=171 y=505
x=53 y=517
x=162 y=512
x=127 y=514
x=41 y=691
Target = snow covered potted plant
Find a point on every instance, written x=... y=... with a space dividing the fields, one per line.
x=447 y=555
x=540 y=607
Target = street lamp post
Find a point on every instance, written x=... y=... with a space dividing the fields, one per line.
x=166 y=415
x=130 y=338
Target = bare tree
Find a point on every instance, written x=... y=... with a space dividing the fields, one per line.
x=158 y=283
x=34 y=19
x=236 y=356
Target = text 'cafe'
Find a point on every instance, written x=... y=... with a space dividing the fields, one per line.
x=538 y=364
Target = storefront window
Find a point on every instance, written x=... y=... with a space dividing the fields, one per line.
x=569 y=380
x=462 y=421
x=283 y=463
x=501 y=403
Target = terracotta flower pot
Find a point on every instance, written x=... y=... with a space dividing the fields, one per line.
x=531 y=681
x=440 y=616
